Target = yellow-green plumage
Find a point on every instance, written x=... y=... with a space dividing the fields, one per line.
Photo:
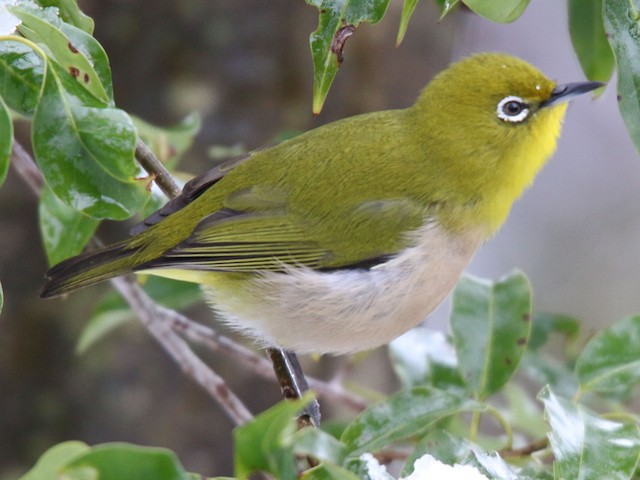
x=336 y=231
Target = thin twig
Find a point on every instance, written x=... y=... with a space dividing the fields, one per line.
x=527 y=450
x=149 y=313
x=155 y=168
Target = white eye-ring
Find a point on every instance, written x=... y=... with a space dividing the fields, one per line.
x=512 y=109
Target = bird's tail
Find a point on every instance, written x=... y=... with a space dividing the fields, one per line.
x=89 y=268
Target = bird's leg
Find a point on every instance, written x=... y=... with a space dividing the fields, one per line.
x=293 y=384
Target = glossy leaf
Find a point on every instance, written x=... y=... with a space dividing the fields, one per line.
x=622 y=26
x=21 y=74
x=543 y=369
x=589 y=40
x=490 y=324
x=6 y=140
x=586 y=446
x=117 y=461
x=64 y=230
x=86 y=149
x=408 y=8
x=266 y=443
x=72 y=56
x=403 y=415
x=71 y=13
x=52 y=461
x=610 y=363
x=501 y=11
x=337 y=22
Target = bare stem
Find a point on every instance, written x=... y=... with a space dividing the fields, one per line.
x=155 y=168
x=150 y=314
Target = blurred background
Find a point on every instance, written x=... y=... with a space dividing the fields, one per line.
x=245 y=66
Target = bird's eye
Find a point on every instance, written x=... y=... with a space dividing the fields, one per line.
x=512 y=109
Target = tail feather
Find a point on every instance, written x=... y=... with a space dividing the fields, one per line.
x=89 y=268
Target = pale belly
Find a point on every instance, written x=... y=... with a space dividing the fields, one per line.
x=346 y=310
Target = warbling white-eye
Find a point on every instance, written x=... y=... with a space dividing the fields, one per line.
x=347 y=236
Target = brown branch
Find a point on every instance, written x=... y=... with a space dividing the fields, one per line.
x=155 y=168
x=150 y=314
x=527 y=450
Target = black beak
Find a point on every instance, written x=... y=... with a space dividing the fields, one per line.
x=563 y=93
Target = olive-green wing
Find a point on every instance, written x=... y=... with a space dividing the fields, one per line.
x=241 y=241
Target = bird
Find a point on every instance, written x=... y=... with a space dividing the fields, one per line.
x=346 y=236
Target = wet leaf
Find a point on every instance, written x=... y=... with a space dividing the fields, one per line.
x=329 y=472
x=86 y=149
x=21 y=74
x=501 y=11
x=490 y=324
x=70 y=13
x=6 y=140
x=65 y=231
x=403 y=415
x=622 y=26
x=589 y=40
x=337 y=22
x=74 y=57
x=586 y=446
x=610 y=364
x=319 y=444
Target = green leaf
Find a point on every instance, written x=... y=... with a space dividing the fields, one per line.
x=6 y=140
x=337 y=22
x=546 y=370
x=622 y=26
x=422 y=356
x=64 y=230
x=585 y=445
x=319 y=445
x=86 y=149
x=447 y=7
x=589 y=40
x=544 y=324
x=117 y=461
x=52 y=461
x=501 y=11
x=169 y=143
x=21 y=74
x=610 y=363
x=328 y=471
x=491 y=465
x=442 y=446
x=490 y=324
x=70 y=13
x=408 y=8
x=266 y=443
x=73 y=58
x=404 y=414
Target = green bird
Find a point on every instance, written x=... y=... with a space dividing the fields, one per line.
x=347 y=236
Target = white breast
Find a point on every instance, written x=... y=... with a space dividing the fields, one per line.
x=351 y=310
